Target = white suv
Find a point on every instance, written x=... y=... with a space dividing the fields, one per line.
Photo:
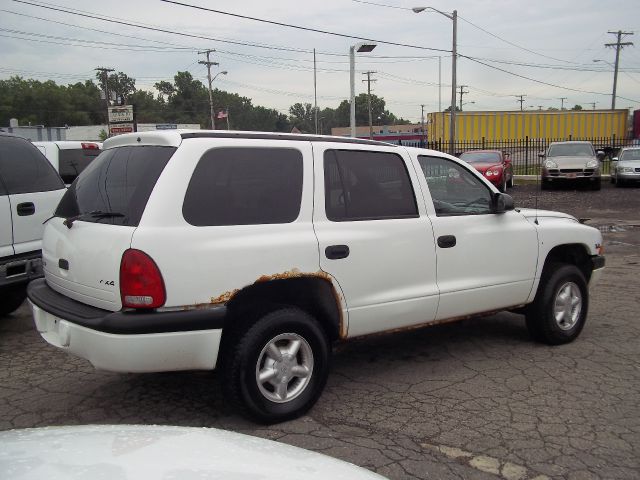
x=253 y=252
x=30 y=189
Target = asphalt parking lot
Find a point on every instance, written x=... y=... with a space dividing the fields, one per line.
x=473 y=400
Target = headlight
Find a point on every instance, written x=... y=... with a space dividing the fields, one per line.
x=550 y=164
x=625 y=170
x=591 y=164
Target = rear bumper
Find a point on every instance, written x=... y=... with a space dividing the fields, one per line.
x=128 y=341
x=20 y=268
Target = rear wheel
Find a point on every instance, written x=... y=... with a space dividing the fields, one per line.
x=559 y=311
x=278 y=368
x=12 y=298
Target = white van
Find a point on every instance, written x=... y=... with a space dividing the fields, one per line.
x=69 y=158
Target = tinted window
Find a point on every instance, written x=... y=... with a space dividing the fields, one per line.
x=24 y=169
x=571 y=150
x=118 y=181
x=630 y=154
x=361 y=185
x=480 y=157
x=74 y=161
x=454 y=190
x=245 y=186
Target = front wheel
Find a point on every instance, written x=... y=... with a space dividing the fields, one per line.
x=559 y=311
x=279 y=366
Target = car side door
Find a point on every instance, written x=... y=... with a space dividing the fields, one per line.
x=374 y=238
x=485 y=260
x=34 y=190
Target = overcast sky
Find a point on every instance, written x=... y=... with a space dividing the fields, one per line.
x=273 y=65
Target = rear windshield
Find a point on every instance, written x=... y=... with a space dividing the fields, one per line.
x=116 y=186
x=74 y=161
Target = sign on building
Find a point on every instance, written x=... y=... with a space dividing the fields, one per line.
x=120 y=128
x=122 y=114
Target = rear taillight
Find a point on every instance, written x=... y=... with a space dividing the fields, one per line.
x=141 y=284
x=90 y=146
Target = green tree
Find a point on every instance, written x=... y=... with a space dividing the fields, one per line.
x=577 y=107
x=302 y=116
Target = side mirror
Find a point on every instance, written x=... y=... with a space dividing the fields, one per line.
x=614 y=159
x=541 y=155
x=507 y=157
x=600 y=155
x=502 y=203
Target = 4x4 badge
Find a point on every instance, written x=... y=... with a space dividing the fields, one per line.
x=107 y=282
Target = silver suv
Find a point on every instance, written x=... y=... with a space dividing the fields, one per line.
x=571 y=161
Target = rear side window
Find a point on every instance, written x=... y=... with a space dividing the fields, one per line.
x=24 y=169
x=116 y=186
x=74 y=161
x=245 y=186
x=361 y=185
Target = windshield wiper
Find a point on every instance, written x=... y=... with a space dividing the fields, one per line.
x=94 y=214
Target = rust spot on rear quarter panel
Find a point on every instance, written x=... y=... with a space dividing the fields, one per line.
x=293 y=273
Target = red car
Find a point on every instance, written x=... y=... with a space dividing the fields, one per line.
x=494 y=165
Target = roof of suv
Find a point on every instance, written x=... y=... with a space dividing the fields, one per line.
x=174 y=138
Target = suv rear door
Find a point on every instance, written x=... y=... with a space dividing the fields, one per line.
x=34 y=189
x=374 y=235
x=83 y=246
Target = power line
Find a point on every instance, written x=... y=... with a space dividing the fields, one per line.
x=298 y=27
x=538 y=81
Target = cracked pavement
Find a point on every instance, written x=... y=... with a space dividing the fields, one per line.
x=471 y=400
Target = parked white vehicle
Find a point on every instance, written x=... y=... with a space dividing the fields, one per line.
x=626 y=167
x=152 y=452
x=254 y=252
x=30 y=190
x=69 y=158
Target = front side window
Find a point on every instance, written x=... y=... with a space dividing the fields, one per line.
x=245 y=186
x=363 y=185
x=24 y=169
x=454 y=190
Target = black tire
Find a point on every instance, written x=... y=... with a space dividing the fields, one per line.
x=612 y=179
x=544 y=184
x=596 y=185
x=12 y=298
x=503 y=186
x=510 y=182
x=619 y=183
x=243 y=360
x=558 y=280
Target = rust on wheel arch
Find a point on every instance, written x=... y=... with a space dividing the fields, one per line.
x=226 y=297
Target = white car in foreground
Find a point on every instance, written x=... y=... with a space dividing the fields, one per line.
x=254 y=252
x=139 y=452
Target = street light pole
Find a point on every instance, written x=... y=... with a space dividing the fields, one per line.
x=360 y=48
x=454 y=56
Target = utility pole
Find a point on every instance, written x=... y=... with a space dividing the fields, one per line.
x=593 y=105
x=562 y=99
x=422 y=121
x=369 y=80
x=208 y=63
x=520 y=99
x=618 y=45
x=315 y=91
x=462 y=92
x=105 y=78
